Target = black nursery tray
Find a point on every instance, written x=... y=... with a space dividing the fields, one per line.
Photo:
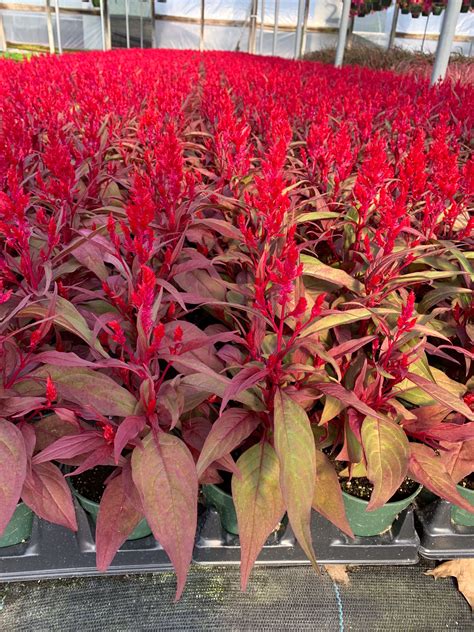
x=440 y=538
x=399 y=545
x=54 y=552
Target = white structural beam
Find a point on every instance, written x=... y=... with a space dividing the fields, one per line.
x=299 y=28
x=58 y=26
x=445 y=42
x=253 y=25
x=342 y=37
x=203 y=21
x=127 y=24
x=275 y=26
x=393 y=28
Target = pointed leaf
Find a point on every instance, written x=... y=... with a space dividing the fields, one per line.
x=227 y=433
x=315 y=268
x=258 y=502
x=327 y=499
x=245 y=378
x=349 y=398
x=387 y=452
x=65 y=316
x=46 y=492
x=441 y=395
x=128 y=430
x=164 y=473
x=50 y=428
x=104 y=395
x=12 y=470
x=116 y=520
x=294 y=445
x=70 y=446
x=429 y=470
x=458 y=458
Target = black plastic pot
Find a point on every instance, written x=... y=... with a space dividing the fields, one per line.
x=440 y=537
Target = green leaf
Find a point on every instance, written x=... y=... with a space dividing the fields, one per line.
x=441 y=395
x=332 y=408
x=315 y=268
x=348 y=398
x=258 y=502
x=345 y=317
x=227 y=433
x=198 y=386
x=12 y=470
x=387 y=451
x=314 y=216
x=428 y=469
x=65 y=316
x=327 y=499
x=438 y=295
x=165 y=476
x=89 y=389
x=294 y=445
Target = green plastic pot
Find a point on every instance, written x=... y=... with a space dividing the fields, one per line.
x=462 y=516
x=141 y=531
x=19 y=528
x=368 y=523
x=224 y=504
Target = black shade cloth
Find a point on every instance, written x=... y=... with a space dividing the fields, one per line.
x=379 y=599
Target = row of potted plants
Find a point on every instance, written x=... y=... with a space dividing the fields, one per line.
x=247 y=276
x=361 y=8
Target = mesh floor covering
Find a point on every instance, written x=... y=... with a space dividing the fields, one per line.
x=395 y=599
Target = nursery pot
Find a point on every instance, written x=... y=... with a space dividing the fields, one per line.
x=224 y=504
x=405 y=11
x=462 y=516
x=368 y=523
x=19 y=528
x=92 y=508
x=437 y=10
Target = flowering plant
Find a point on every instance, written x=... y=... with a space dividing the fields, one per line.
x=222 y=263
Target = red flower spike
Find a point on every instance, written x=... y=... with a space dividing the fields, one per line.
x=51 y=392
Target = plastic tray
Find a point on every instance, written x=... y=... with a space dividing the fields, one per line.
x=399 y=545
x=440 y=538
x=54 y=552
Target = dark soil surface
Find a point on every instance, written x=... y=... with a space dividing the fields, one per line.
x=468 y=482
x=362 y=488
x=91 y=484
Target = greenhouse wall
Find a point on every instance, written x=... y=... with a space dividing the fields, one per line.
x=178 y=25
